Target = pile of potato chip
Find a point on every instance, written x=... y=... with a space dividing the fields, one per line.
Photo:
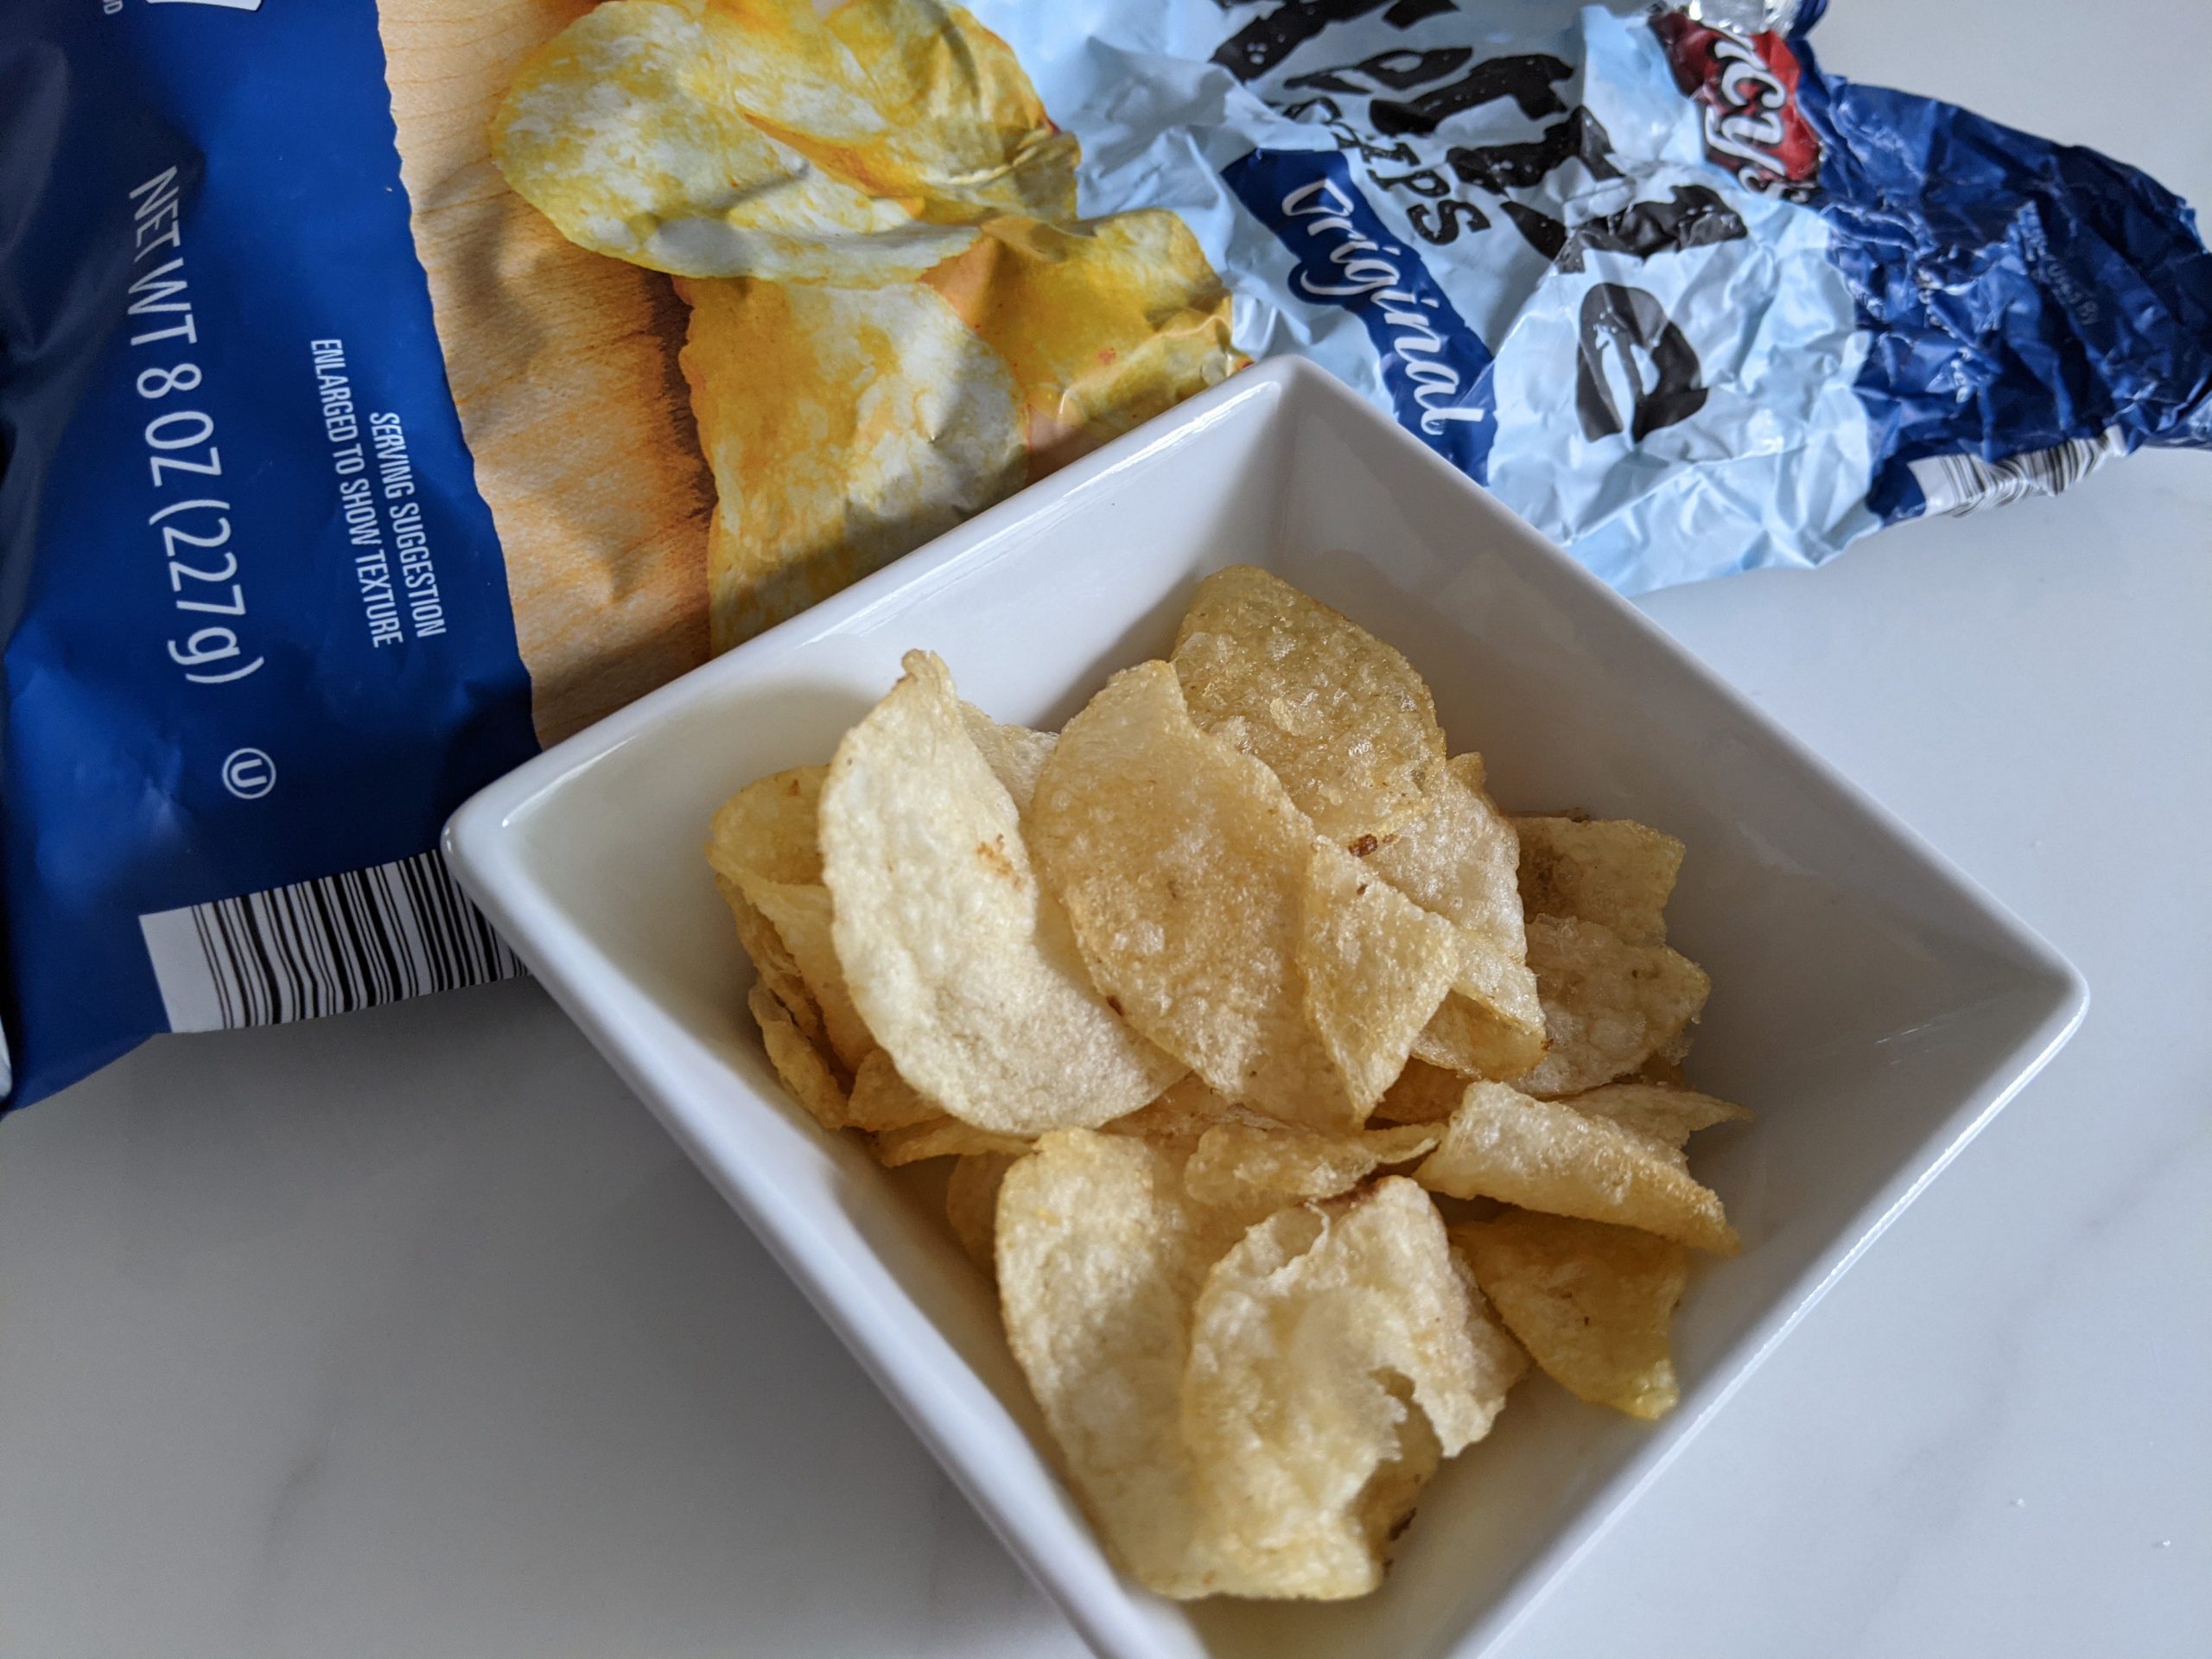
x=1299 y=1097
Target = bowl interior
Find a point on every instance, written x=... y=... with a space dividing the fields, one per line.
x=1869 y=1005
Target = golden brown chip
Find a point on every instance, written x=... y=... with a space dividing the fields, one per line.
x=762 y=841
x=641 y=130
x=1668 y=1114
x=1614 y=872
x=804 y=1072
x=1014 y=754
x=802 y=919
x=1253 y=1170
x=1422 y=1094
x=1185 y=870
x=772 y=962
x=1456 y=857
x=1543 y=1154
x=942 y=1137
x=1463 y=1037
x=964 y=130
x=843 y=429
x=1185 y=1111
x=1103 y=323
x=1375 y=967
x=883 y=1100
x=1182 y=866
x=1336 y=1358
x=1101 y=1254
x=1592 y=1304
x=960 y=963
x=971 y=1203
x=1340 y=717
x=766 y=831
x=1608 y=1007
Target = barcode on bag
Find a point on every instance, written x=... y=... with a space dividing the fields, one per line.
x=1959 y=484
x=345 y=942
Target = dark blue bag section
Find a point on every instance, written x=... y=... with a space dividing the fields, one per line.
x=1436 y=367
x=2021 y=295
x=146 y=767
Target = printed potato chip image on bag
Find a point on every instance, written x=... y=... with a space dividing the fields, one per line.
x=390 y=390
x=897 y=317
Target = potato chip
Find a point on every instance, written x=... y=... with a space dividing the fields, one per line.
x=804 y=919
x=1422 y=1094
x=1335 y=1360
x=964 y=130
x=960 y=963
x=882 y=1100
x=1185 y=870
x=1665 y=1114
x=1592 y=1304
x=1465 y=1039
x=762 y=842
x=1014 y=754
x=1375 y=967
x=1455 y=858
x=1340 y=717
x=1608 y=1007
x=1251 y=1170
x=1185 y=1111
x=1103 y=323
x=1614 y=872
x=942 y=1137
x=768 y=831
x=1544 y=1154
x=1181 y=864
x=843 y=430
x=631 y=130
x=971 y=1203
x=773 y=964
x=1101 y=1254
x=804 y=1072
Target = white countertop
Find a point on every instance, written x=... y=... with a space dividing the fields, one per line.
x=411 y=1334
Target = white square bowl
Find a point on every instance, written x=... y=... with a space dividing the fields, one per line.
x=1869 y=1002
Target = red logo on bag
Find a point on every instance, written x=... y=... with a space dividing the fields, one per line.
x=1746 y=88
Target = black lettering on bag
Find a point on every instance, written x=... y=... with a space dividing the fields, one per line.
x=1267 y=40
x=1527 y=79
x=1633 y=321
x=1439 y=223
x=1400 y=69
x=1347 y=137
x=1500 y=168
x=1695 y=218
x=1541 y=231
x=1427 y=183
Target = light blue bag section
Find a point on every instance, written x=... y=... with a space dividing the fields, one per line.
x=1730 y=313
